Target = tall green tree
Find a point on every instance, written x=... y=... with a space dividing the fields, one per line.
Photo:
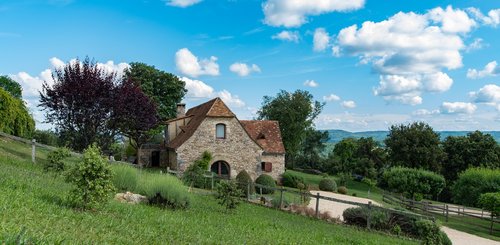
x=14 y=116
x=164 y=88
x=414 y=145
x=312 y=148
x=11 y=86
x=295 y=112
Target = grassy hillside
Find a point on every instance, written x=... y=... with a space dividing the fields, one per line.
x=33 y=204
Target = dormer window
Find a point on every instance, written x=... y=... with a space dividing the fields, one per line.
x=220 y=131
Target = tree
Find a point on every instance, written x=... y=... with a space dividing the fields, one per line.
x=11 y=86
x=295 y=112
x=164 y=88
x=414 y=145
x=80 y=104
x=414 y=182
x=343 y=156
x=14 y=116
x=312 y=148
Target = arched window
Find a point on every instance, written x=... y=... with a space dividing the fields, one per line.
x=221 y=168
x=220 y=131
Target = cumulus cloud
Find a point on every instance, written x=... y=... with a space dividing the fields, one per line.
x=188 y=64
x=289 y=36
x=293 y=13
x=425 y=112
x=197 y=89
x=243 y=69
x=311 y=83
x=349 y=104
x=475 y=45
x=458 y=108
x=492 y=19
x=489 y=94
x=409 y=51
x=331 y=97
x=491 y=69
x=182 y=3
x=321 y=39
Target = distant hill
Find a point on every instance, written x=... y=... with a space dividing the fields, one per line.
x=338 y=135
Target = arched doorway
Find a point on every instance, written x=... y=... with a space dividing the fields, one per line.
x=221 y=168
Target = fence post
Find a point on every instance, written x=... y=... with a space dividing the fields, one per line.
x=317 y=205
x=248 y=191
x=447 y=212
x=368 y=219
x=281 y=197
x=212 y=181
x=491 y=225
x=33 y=152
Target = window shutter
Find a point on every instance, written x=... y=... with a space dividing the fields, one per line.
x=268 y=167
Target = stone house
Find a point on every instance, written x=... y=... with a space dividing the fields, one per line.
x=252 y=145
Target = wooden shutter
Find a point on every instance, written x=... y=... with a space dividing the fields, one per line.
x=268 y=167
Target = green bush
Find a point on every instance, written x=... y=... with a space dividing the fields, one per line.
x=125 y=177
x=227 y=193
x=342 y=190
x=55 y=159
x=275 y=202
x=327 y=185
x=430 y=233
x=267 y=181
x=491 y=202
x=92 y=179
x=46 y=137
x=412 y=182
x=165 y=191
x=15 y=118
x=473 y=182
x=243 y=180
x=358 y=216
x=194 y=174
x=291 y=180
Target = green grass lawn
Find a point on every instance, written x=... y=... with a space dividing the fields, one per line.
x=34 y=202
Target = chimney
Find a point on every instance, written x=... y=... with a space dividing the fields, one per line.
x=181 y=110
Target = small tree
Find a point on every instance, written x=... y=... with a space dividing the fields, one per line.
x=245 y=183
x=491 y=202
x=55 y=160
x=414 y=182
x=92 y=180
x=227 y=193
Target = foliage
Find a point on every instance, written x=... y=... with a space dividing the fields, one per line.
x=358 y=216
x=473 y=182
x=310 y=154
x=204 y=160
x=165 y=191
x=245 y=183
x=12 y=87
x=91 y=179
x=46 y=137
x=344 y=178
x=164 y=88
x=342 y=190
x=430 y=233
x=227 y=193
x=277 y=200
x=327 y=185
x=125 y=177
x=412 y=182
x=194 y=174
x=291 y=180
x=15 y=118
x=491 y=202
x=267 y=181
x=55 y=159
x=295 y=113
x=414 y=145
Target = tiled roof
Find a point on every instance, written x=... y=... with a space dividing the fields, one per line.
x=266 y=133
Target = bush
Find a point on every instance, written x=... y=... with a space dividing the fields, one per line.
x=165 y=191
x=228 y=193
x=92 y=179
x=55 y=160
x=344 y=178
x=430 y=233
x=491 y=202
x=473 y=182
x=243 y=179
x=46 y=137
x=125 y=177
x=412 y=182
x=291 y=180
x=327 y=185
x=342 y=190
x=194 y=174
x=358 y=216
x=267 y=181
x=276 y=201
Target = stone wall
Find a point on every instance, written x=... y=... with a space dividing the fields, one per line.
x=278 y=163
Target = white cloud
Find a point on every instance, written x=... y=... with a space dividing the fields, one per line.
x=243 y=69
x=110 y=67
x=331 y=97
x=475 y=45
x=311 y=83
x=425 y=112
x=230 y=99
x=289 y=36
x=197 y=89
x=336 y=51
x=492 y=19
x=349 y=104
x=489 y=94
x=188 y=64
x=491 y=69
x=458 y=108
x=182 y=3
x=293 y=13
x=321 y=39
x=409 y=51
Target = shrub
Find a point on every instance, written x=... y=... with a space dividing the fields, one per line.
x=327 y=185
x=275 y=202
x=291 y=180
x=412 y=182
x=194 y=174
x=344 y=178
x=92 y=179
x=227 y=193
x=342 y=190
x=267 y=181
x=491 y=202
x=46 y=137
x=358 y=216
x=125 y=177
x=243 y=180
x=473 y=182
x=165 y=191
x=55 y=160
x=430 y=233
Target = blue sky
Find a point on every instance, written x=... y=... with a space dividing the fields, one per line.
x=373 y=63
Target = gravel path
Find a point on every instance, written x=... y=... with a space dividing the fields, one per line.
x=336 y=209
